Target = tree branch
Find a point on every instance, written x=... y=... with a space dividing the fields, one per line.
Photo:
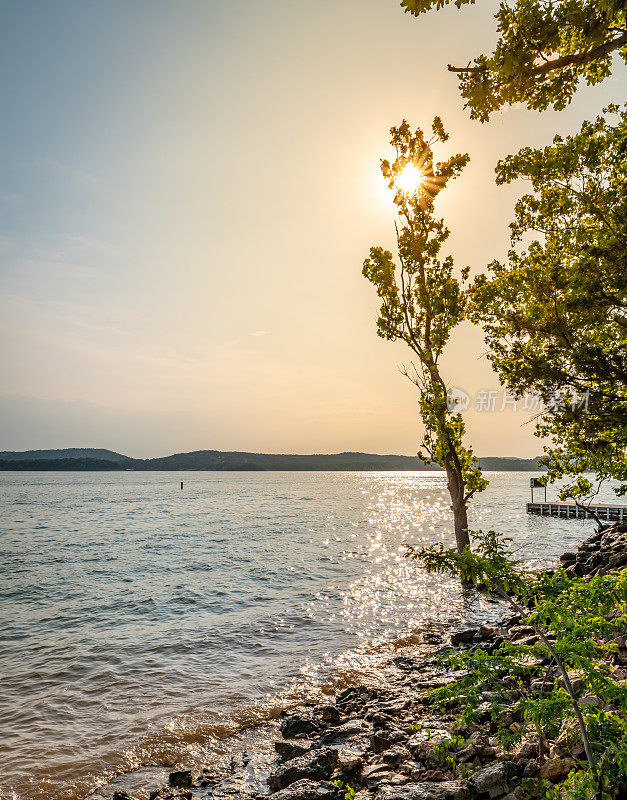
x=574 y=59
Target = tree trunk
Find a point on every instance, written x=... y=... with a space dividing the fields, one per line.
x=460 y=511
x=460 y=517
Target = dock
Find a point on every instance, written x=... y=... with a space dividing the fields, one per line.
x=570 y=510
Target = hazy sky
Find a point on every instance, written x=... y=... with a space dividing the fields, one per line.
x=188 y=190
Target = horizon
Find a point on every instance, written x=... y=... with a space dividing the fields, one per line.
x=186 y=207
x=242 y=452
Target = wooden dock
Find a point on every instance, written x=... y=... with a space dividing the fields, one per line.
x=570 y=510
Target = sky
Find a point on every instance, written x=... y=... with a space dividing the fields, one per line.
x=187 y=193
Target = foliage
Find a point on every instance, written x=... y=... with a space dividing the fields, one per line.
x=577 y=621
x=544 y=49
x=422 y=302
x=349 y=792
x=554 y=314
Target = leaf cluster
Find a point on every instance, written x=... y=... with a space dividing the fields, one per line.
x=543 y=51
x=554 y=314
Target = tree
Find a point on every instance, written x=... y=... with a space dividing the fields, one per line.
x=544 y=49
x=422 y=301
x=555 y=313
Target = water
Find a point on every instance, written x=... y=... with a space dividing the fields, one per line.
x=142 y=624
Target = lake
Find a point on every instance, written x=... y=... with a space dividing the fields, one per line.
x=143 y=624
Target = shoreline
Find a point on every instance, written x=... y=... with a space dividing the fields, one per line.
x=382 y=740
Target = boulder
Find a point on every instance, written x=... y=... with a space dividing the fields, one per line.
x=315 y=765
x=372 y=769
x=555 y=769
x=385 y=777
x=423 y=753
x=446 y=790
x=531 y=768
x=309 y=790
x=330 y=714
x=467 y=754
x=181 y=779
x=396 y=755
x=527 y=750
x=379 y=742
x=461 y=637
x=493 y=781
x=592 y=701
x=349 y=729
x=350 y=763
x=298 y=726
x=287 y=750
x=170 y=793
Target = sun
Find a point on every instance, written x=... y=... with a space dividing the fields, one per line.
x=409 y=179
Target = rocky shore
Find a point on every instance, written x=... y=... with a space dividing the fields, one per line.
x=389 y=743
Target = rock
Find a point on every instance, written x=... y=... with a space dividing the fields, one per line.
x=298 y=726
x=349 y=729
x=429 y=736
x=434 y=775
x=383 y=721
x=618 y=561
x=568 y=557
x=171 y=793
x=432 y=638
x=527 y=750
x=493 y=781
x=182 y=779
x=576 y=678
x=287 y=750
x=372 y=769
x=555 y=769
x=423 y=753
x=315 y=765
x=121 y=796
x=350 y=763
x=308 y=790
x=615 y=613
x=330 y=714
x=412 y=768
x=446 y=790
x=592 y=701
x=380 y=742
x=531 y=768
x=461 y=637
x=405 y=663
x=573 y=571
x=467 y=754
x=385 y=777
x=396 y=755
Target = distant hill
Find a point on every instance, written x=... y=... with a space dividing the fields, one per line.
x=505 y=464
x=68 y=452
x=89 y=458
x=218 y=460
x=66 y=464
